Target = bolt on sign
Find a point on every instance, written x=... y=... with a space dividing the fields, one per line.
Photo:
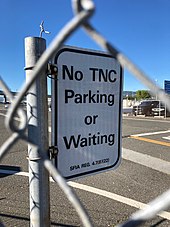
x=86 y=112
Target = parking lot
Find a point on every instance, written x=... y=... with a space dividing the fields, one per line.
x=109 y=197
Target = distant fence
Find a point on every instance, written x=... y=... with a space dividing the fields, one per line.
x=83 y=11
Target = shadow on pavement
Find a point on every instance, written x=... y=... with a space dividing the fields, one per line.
x=6 y=170
x=17 y=218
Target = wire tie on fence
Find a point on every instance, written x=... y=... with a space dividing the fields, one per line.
x=33 y=159
x=52 y=151
x=52 y=71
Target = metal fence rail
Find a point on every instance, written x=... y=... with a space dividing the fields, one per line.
x=83 y=11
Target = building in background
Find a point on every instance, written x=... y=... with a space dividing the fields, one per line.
x=167 y=86
x=129 y=94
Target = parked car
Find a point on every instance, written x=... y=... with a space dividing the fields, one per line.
x=145 y=108
x=160 y=110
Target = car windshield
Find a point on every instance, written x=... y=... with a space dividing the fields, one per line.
x=145 y=103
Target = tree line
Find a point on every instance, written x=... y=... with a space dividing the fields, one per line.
x=140 y=94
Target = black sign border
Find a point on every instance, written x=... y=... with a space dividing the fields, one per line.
x=55 y=108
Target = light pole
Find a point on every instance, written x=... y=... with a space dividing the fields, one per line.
x=155 y=88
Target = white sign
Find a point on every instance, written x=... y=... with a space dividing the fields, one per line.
x=87 y=112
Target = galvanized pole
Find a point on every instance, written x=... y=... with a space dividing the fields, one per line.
x=37 y=112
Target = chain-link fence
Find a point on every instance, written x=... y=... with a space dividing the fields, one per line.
x=83 y=10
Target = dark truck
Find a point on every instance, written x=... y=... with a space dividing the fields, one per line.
x=151 y=108
x=145 y=108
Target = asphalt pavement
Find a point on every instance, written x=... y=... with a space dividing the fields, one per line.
x=109 y=197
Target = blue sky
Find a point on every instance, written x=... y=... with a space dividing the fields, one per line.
x=138 y=28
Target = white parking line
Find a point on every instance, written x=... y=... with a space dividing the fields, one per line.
x=4 y=115
x=166 y=138
x=151 y=133
x=118 y=198
x=147 y=160
x=110 y=195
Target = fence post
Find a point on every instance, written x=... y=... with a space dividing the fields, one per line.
x=37 y=112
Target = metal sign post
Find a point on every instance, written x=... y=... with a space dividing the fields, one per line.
x=37 y=112
x=87 y=111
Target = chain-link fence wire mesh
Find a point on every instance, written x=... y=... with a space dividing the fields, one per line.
x=83 y=10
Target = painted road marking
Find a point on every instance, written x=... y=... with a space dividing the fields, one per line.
x=4 y=115
x=147 y=160
x=110 y=195
x=151 y=133
x=118 y=198
x=151 y=141
x=140 y=137
x=166 y=138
